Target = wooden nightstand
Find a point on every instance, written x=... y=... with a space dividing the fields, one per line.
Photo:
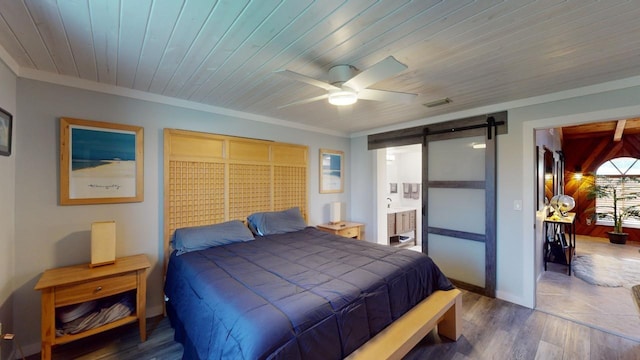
x=80 y=283
x=346 y=229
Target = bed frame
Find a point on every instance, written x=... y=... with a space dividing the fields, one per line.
x=211 y=178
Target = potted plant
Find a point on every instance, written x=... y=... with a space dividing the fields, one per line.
x=614 y=188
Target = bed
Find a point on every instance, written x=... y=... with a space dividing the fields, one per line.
x=291 y=291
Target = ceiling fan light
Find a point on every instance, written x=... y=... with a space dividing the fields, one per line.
x=342 y=97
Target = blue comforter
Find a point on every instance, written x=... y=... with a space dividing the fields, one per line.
x=301 y=295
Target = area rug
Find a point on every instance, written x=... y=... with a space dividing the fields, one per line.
x=607 y=270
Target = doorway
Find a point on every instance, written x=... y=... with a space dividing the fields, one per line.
x=458 y=183
x=582 y=149
x=403 y=197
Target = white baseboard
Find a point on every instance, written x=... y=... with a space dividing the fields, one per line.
x=513 y=299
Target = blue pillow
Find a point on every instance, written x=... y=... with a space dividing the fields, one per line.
x=276 y=222
x=203 y=237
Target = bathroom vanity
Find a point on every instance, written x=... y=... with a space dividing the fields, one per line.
x=401 y=226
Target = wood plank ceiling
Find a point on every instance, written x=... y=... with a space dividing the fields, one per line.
x=614 y=129
x=224 y=53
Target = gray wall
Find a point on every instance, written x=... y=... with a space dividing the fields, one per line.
x=48 y=235
x=7 y=210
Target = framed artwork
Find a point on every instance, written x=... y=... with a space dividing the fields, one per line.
x=331 y=171
x=393 y=188
x=100 y=162
x=6 y=122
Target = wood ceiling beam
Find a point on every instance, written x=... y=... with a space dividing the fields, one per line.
x=617 y=136
x=560 y=135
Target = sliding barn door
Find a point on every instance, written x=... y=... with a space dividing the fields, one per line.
x=459 y=195
x=459 y=179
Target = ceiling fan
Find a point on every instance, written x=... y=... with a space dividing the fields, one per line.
x=346 y=85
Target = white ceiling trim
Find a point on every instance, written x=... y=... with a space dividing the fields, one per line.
x=74 y=82
x=161 y=99
x=223 y=54
x=536 y=100
x=9 y=61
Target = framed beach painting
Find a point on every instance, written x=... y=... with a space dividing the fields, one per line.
x=100 y=162
x=6 y=120
x=331 y=171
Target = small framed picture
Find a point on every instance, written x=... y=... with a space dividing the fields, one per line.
x=331 y=171
x=393 y=188
x=6 y=123
x=100 y=162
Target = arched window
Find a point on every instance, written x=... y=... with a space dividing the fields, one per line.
x=609 y=173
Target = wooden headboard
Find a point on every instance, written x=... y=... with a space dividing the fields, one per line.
x=211 y=178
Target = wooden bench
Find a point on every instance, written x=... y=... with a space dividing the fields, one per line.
x=442 y=309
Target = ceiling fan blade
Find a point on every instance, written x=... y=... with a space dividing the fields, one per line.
x=382 y=95
x=306 y=79
x=378 y=72
x=305 y=101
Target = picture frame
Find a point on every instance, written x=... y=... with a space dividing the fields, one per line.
x=100 y=162
x=331 y=171
x=6 y=127
x=393 y=188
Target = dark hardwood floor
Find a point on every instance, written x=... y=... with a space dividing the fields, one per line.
x=123 y=344
x=492 y=329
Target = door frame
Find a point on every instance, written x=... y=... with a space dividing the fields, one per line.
x=532 y=249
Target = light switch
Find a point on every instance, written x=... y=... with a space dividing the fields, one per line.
x=517 y=205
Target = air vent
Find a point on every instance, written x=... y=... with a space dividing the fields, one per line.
x=437 y=103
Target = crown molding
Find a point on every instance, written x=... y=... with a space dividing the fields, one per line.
x=536 y=100
x=69 y=81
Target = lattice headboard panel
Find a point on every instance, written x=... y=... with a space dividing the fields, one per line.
x=212 y=178
x=288 y=179
x=196 y=193
x=250 y=189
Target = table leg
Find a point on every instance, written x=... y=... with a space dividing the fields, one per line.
x=142 y=304
x=48 y=326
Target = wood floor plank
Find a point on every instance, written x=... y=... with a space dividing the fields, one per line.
x=605 y=346
x=459 y=356
x=500 y=341
x=529 y=335
x=477 y=337
x=578 y=340
x=627 y=349
x=555 y=331
x=478 y=311
x=602 y=352
x=548 y=351
x=491 y=329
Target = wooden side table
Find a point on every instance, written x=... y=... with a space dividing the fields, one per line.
x=346 y=229
x=80 y=283
x=565 y=249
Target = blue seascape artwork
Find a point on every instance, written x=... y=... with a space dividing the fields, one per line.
x=332 y=167
x=103 y=163
x=91 y=148
x=331 y=180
